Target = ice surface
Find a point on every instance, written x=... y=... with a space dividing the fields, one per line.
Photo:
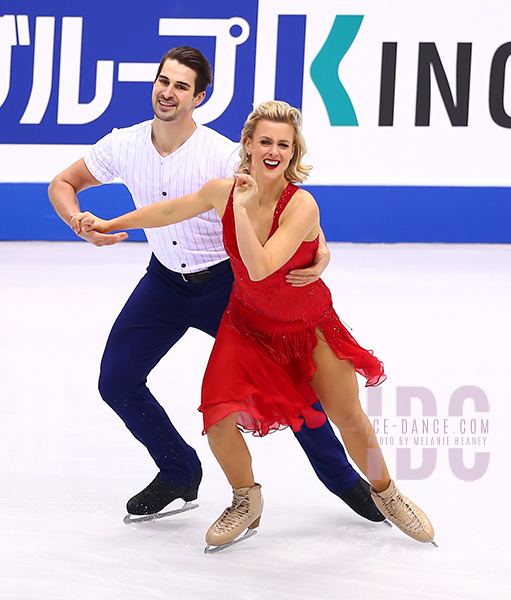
x=437 y=315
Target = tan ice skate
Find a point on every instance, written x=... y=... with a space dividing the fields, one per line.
x=404 y=514
x=243 y=514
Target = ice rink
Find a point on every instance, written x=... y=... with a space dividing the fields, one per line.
x=438 y=317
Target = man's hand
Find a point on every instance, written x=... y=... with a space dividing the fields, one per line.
x=303 y=277
x=102 y=239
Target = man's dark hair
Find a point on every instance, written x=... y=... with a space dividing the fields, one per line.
x=193 y=59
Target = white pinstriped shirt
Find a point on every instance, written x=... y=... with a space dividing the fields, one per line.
x=129 y=154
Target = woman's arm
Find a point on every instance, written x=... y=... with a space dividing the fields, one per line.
x=212 y=194
x=299 y=221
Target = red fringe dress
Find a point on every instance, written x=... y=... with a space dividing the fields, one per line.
x=261 y=364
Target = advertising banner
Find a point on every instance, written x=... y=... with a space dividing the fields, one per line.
x=407 y=108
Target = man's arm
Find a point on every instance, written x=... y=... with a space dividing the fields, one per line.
x=62 y=193
x=302 y=277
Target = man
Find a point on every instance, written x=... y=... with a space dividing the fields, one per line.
x=188 y=280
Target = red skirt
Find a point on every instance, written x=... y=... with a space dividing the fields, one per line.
x=262 y=369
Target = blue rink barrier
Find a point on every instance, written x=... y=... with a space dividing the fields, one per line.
x=364 y=214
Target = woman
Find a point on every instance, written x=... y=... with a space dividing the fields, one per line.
x=279 y=347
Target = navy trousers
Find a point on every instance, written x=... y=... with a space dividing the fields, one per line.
x=157 y=314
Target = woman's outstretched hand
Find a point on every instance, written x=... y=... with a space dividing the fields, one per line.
x=92 y=229
x=87 y=222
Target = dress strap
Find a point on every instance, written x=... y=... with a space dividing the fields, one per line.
x=287 y=194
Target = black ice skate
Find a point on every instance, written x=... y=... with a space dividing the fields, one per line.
x=149 y=504
x=359 y=499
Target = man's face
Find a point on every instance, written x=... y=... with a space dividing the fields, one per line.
x=173 y=92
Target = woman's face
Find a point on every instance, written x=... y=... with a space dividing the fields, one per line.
x=271 y=148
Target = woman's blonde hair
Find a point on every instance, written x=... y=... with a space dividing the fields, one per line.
x=278 y=112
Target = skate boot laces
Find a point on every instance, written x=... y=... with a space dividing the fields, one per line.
x=232 y=515
x=405 y=512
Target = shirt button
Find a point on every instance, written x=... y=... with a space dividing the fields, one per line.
x=164 y=193
x=174 y=243
x=183 y=265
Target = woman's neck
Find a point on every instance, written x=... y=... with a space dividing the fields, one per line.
x=269 y=192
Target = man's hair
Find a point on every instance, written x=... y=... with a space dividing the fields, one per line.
x=193 y=59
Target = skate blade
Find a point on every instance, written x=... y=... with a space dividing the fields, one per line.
x=129 y=519
x=248 y=533
x=390 y=525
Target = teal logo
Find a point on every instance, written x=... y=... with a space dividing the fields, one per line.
x=324 y=70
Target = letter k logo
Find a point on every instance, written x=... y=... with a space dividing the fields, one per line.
x=324 y=70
